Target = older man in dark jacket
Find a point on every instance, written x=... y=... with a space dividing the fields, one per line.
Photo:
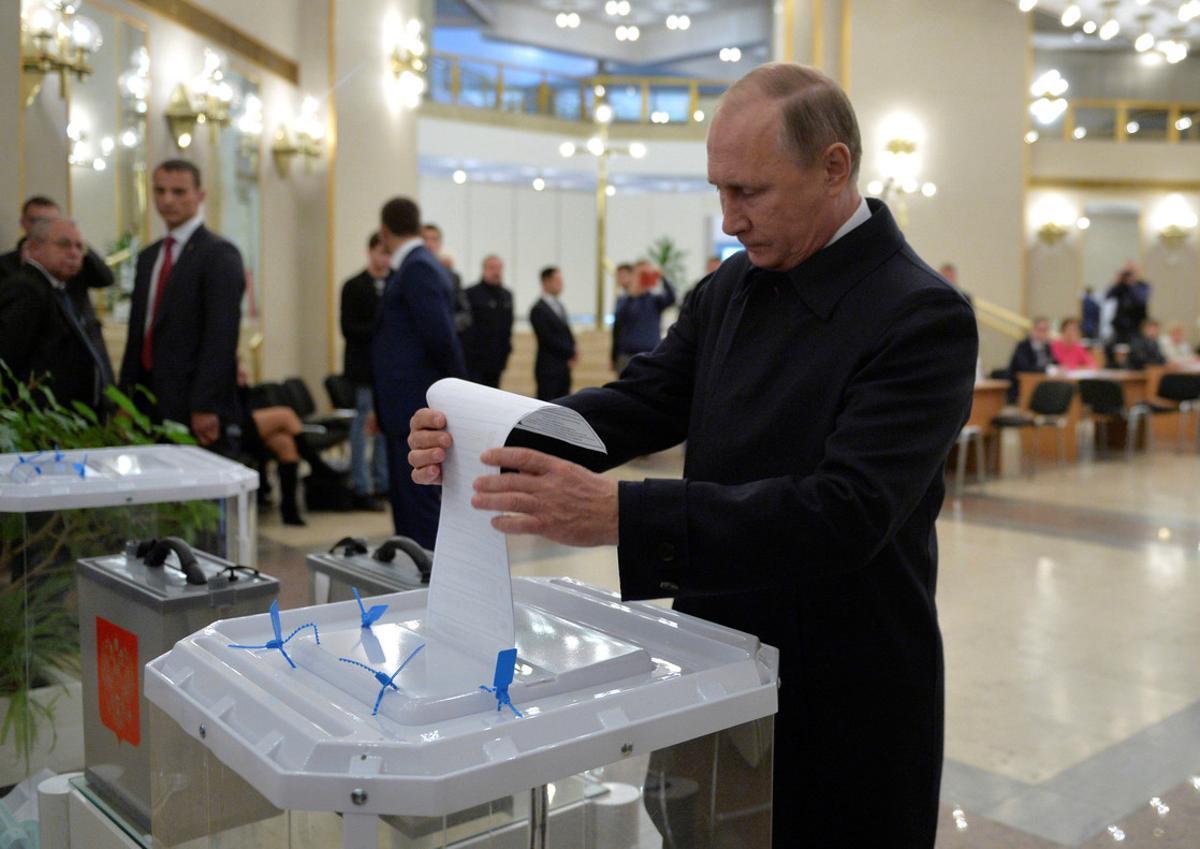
x=819 y=379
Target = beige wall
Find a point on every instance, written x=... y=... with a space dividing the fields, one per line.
x=10 y=126
x=1056 y=275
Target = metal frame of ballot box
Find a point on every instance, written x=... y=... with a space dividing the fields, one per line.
x=344 y=712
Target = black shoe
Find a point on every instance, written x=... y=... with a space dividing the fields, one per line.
x=288 y=509
x=368 y=503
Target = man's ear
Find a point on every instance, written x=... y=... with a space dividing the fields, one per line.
x=836 y=163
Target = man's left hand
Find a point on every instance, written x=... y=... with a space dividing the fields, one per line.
x=206 y=427
x=561 y=501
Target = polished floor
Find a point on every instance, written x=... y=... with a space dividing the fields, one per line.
x=1070 y=608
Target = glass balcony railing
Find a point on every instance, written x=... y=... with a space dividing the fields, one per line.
x=486 y=84
x=1126 y=121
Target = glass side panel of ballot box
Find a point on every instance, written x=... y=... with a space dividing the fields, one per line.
x=59 y=506
x=628 y=726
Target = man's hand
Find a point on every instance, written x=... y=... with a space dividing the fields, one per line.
x=550 y=497
x=428 y=440
x=206 y=427
x=571 y=362
x=371 y=425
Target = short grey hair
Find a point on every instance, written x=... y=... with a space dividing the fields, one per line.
x=39 y=230
x=815 y=110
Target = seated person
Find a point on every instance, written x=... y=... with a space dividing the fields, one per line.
x=1144 y=349
x=1175 y=345
x=274 y=430
x=1032 y=354
x=1068 y=350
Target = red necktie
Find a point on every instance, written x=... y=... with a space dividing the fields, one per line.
x=163 y=273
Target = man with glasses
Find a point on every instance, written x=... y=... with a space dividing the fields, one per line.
x=43 y=340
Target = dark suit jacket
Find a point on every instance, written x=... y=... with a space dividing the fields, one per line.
x=488 y=341
x=38 y=336
x=360 y=313
x=95 y=274
x=555 y=346
x=414 y=344
x=1145 y=352
x=818 y=406
x=1025 y=358
x=195 y=339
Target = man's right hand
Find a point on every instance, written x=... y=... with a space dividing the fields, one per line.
x=428 y=439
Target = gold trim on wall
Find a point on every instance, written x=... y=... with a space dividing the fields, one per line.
x=844 y=57
x=1026 y=171
x=818 y=36
x=331 y=195
x=789 y=30
x=188 y=14
x=1131 y=184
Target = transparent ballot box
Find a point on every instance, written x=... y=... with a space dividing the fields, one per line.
x=395 y=565
x=629 y=726
x=133 y=607
x=59 y=506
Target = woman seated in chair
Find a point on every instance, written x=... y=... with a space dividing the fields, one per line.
x=273 y=431
x=1068 y=348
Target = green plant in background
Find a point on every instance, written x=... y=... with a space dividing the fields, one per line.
x=666 y=255
x=39 y=630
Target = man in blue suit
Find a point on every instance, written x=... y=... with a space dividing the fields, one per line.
x=414 y=346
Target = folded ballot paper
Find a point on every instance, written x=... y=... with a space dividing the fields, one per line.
x=469 y=617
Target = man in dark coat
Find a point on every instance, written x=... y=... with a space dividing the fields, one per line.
x=42 y=336
x=819 y=379
x=1031 y=354
x=555 y=341
x=413 y=347
x=488 y=341
x=361 y=295
x=186 y=314
x=93 y=274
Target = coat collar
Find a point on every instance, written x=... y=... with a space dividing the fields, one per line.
x=826 y=276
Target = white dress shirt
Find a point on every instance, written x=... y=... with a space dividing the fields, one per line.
x=401 y=253
x=180 y=234
x=861 y=216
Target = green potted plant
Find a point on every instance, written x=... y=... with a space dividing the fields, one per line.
x=39 y=630
x=666 y=255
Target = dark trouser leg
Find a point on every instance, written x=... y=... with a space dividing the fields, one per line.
x=415 y=507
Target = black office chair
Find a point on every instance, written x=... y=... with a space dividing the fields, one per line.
x=1048 y=406
x=1184 y=391
x=341 y=392
x=1106 y=401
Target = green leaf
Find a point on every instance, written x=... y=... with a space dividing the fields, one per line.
x=86 y=411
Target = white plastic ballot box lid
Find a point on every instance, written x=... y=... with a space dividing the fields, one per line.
x=111 y=477
x=596 y=680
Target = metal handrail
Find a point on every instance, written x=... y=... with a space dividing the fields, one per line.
x=1001 y=319
x=549 y=80
x=1121 y=107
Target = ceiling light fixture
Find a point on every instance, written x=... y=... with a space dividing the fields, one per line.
x=567 y=20
x=1146 y=39
x=459 y=177
x=1189 y=10
x=730 y=54
x=628 y=33
x=1071 y=15
x=539 y=184
x=1026 y=5
x=1031 y=137
x=1090 y=27
x=617 y=8
x=678 y=22
x=1132 y=127
x=1110 y=27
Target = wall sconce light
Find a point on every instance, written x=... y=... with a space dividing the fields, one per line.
x=901 y=165
x=407 y=62
x=206 y=101
x=304 y=138
x=55 y=40
x=134 y=83
x=1174 y=221
x=79 y=147
x=250 y=127
x=1057 y=217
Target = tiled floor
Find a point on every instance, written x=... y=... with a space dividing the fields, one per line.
x=1070 y=607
